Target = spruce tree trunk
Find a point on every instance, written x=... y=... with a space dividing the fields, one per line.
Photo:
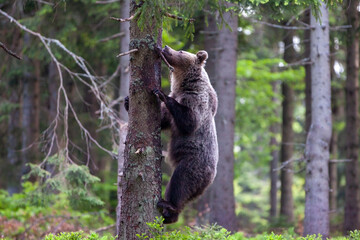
x=141 y=185
x=352 y=219
x=318 y=140
x=12 y=175
x=221 y=44
x=286 y=200
x=274 y=129
x=123 y=91
x=29 y=113
x=307 y=40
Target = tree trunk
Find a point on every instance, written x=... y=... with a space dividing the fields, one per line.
x=274 y=129
x=29 y=119
x=141 y=185
x=123 y=92
x=307 y=40
x=286 y=200
x=337 y=106
x=124 y=60
x=221 y=67
x=352 y=220
x=12 y=174
x=317 y=143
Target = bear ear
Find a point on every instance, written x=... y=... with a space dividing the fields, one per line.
x=201 y=56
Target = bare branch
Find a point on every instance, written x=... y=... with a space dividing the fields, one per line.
x=123 y=19
x=107 y=2
x=340 y=160
x=128 y=52
x=104 y=228
x=44 y=2
x=117 y=35
x=280 y=26
x=304 y=61
x=166 y=62
x=343 y=27
x=169 y=15
x=62 y=92
x=9 y=51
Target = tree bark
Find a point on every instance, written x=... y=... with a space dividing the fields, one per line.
x=352 y=219
x=123 y=92
x=307 y=40
x=317 y=143
x=29 y=114
x=286 y=200
x=141 y=185
x=12 y=174
x=274 y=129
x=221 y=67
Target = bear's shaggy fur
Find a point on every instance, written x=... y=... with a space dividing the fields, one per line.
x=189 y=112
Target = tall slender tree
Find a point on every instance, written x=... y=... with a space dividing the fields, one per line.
x=352 y=218
x=287 y=201
x=218 y=204
x=318 y=140
x=123 y=91
x=141 y=185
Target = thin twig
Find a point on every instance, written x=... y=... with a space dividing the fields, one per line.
x=9 y=51
x=128 y=52
x=280 y=26
x=169 y=15
x=340 y=160
x=123 y=19
x=117 y=35
x=166 y=62
x=106 y=2
x=61 y=91
x=104 y=228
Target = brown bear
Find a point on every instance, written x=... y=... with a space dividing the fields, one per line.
x=189 y=112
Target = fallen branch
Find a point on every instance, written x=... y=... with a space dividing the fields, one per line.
x=128 y=52
x=169 y=15
x=9 y=51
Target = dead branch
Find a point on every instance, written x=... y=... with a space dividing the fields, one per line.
x=104 y=228
x=280 y=26
x=166 y=62
x=304 y=61
x=128 y=52
x=123 y=19
x=9 y=51
x=80 y=62
x=284 y=164
x=169 y=15
x=117 y=35
x=340 y=160
x=107 y=2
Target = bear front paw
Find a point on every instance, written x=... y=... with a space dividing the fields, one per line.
x=126 y=103
x=159 y=94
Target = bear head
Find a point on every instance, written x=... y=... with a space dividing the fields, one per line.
x=184 y=61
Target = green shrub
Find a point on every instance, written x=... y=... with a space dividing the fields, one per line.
x=77 y=236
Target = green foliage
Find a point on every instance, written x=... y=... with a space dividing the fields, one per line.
x=77 y=236
x=30 y=215
x=71 y=179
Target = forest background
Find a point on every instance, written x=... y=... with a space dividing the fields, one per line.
x=61 y=132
